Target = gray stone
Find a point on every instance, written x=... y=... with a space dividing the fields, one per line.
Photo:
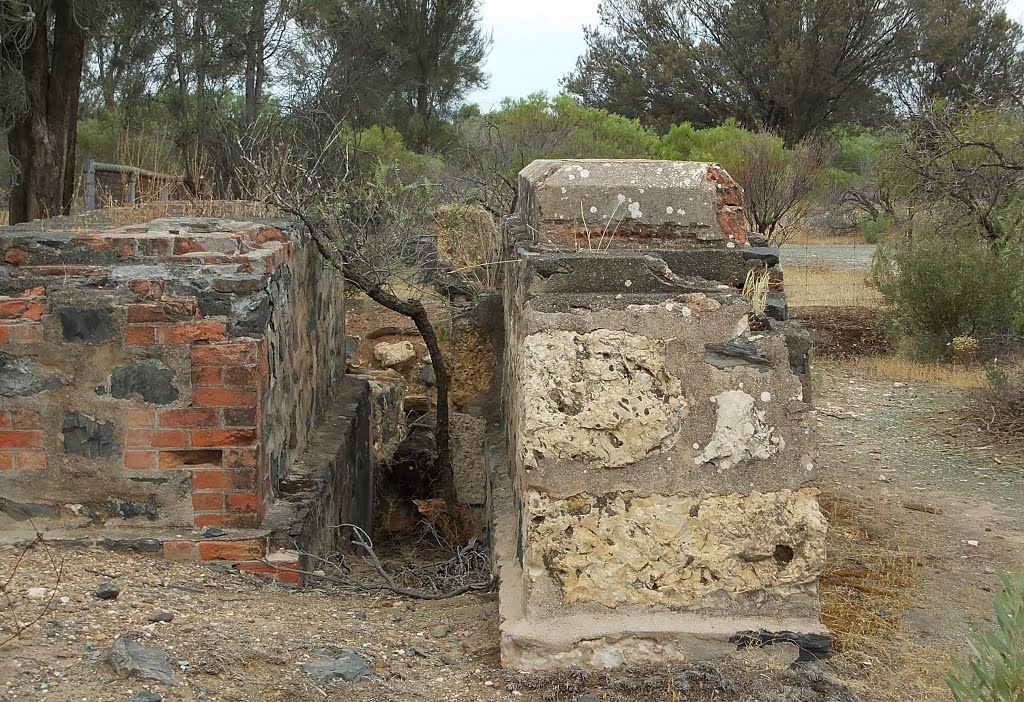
x=351 y=347
x=439 y=631
x=735 y=354
x=91 y=325
x=151 y=380
x=20 y=377
x=212 y=532
x=250 y=315
x=588 y=698
x=21 y=511
x=768 y=255
x=146 y=696
x=107 y=590
x=135 y=660
x=129 y=509
x=165 y=617
x=84 y=436
x=427 y=375
x=777 y=307
x=350 y=666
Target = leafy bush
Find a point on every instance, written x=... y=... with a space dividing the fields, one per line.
x=778 y=182
x=874 y=229
x=936 y=289
x=995 y=670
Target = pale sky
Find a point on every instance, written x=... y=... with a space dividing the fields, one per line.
x=536 y=42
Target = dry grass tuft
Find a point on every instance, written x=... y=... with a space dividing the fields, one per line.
x=902 y=369
x=5 y=217
x=823 y=286
x=869 y=582
x=812 y=235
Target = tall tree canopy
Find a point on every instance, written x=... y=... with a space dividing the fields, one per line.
x=792 y=66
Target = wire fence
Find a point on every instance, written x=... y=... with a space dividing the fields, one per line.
x=829 y=275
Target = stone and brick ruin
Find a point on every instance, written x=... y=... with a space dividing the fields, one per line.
x=157 y=379
x=180 y=387
x=659 y=500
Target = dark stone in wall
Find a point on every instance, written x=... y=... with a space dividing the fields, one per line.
x=21 y=511
x=129 y=509
x=777 y=307
x=151 y=380
x=132 y=545
x=20 y=377
x=734 y=354
x=250 y=315
x=765 y=254
x=84 y=436
x=92 y=325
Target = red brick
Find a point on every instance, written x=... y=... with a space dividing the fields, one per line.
x=245 y=550
x=21 y=439
x=27 y=333
x=223 y=480
x=140 y=460
x=5 y=420
x=5 y=334
x=184 y=245
x=151 y=289
x=206 y=376
x=240 y=417
x=208 y=501
x=140 y=418
x=161 y=312
x=38 y=291
x=26 y=420
x=6 y=460
x=266 y=234
x=179 y=551
x=223 y=397
x=240 y=458
x=190 y=333
x=31 y=460
x=285 y=573
x=190 y=417
x=213 y=438
x=242 y=502
x=205 y=520
x=15 y=257
x=21 y=309
x=139 y=336
x=235 y=353
x=245 y=376
x=156 y=438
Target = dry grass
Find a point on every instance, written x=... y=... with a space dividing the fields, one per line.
x=901 y=369
x=822 y=286
x=811 y=235
x=5 y=217
x=868 y=583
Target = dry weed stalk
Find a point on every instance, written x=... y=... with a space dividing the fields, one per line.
x=18 y=626
x=466 y=570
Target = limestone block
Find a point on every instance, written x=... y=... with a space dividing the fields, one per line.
x=468 y=457
x=392 y=355
x=603 y=397
x=740 y=432
x=675 y=550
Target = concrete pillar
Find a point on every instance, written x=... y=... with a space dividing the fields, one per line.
x=659 y=499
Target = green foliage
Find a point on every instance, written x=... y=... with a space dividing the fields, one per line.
x=874 y=229
x=493 y=148
x=995 y=670
x=138 y=138
x=937 y=288
x=723 y=144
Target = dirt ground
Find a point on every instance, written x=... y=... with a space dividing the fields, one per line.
x=924 y=512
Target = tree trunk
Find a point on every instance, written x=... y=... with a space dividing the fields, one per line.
x=43 y=141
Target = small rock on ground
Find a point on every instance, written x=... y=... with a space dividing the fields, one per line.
x=135 y=660
x=107 y=590
x=350 y=666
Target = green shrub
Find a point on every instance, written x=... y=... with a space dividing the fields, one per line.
x=874 y=229
x=936 y=289
x=995 y=670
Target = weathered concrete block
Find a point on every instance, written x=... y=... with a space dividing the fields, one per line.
x=661 y=500
x=598 y=204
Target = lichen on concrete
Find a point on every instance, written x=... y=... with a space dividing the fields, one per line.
x=741 y=433
x=676 y=550
x=604 y=397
